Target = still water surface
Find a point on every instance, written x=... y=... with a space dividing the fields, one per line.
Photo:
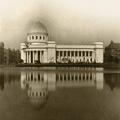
x=59 y=94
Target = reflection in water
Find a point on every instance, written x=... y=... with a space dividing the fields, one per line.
x=113 y=80
x=1 y=81
x=9 y=78
x=39 y=83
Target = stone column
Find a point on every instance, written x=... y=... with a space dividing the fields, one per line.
x=36 y=55
x=40 y=56
x=93 y=56
x=33 y=56
x=29 y=56
x=62 y=53
x=26 y=57
x=42 y=53
x=45 y=56
x=66 y=54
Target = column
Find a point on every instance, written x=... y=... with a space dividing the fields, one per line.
x=26 y=57
x=33 y=55
x=85 y=56
x=74 y=56
x=93 y=56
x=70 y=55
x=40 y=56
x=58 y=58
x=63 y=54
x=29 y=56
x=37 y=55
x=66 y=54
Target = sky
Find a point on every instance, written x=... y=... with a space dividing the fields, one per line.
x=67 y=21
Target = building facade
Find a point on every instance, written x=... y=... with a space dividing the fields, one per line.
x=39 y=49
x=1 y=53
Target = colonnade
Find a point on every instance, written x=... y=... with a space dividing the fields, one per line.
x=61 y=77
x=75 y=77
x=31 y=77
x=34 y=56
x=75 y=56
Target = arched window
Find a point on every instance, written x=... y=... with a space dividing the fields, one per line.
x=40 y=37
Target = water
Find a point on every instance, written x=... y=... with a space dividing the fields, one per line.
x=59 y=94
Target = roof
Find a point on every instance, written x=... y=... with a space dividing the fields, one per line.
x=38 y=27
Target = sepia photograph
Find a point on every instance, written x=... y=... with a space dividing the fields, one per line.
x=59 y=60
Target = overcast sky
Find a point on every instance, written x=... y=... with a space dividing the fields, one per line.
x=67 y=21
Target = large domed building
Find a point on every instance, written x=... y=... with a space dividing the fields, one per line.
x=39 y=49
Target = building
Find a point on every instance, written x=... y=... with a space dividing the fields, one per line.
x=112 y=53
x=6 y=56
x=39 y=49
x=1 y=52
x=11 y=56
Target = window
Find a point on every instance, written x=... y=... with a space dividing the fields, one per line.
x=43 y=37
x=36 y=93
x=32 y=37
x=40 y=37
x=36 y=37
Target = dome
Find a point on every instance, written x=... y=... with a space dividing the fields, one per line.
x=38 y=102
x=38 y=27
